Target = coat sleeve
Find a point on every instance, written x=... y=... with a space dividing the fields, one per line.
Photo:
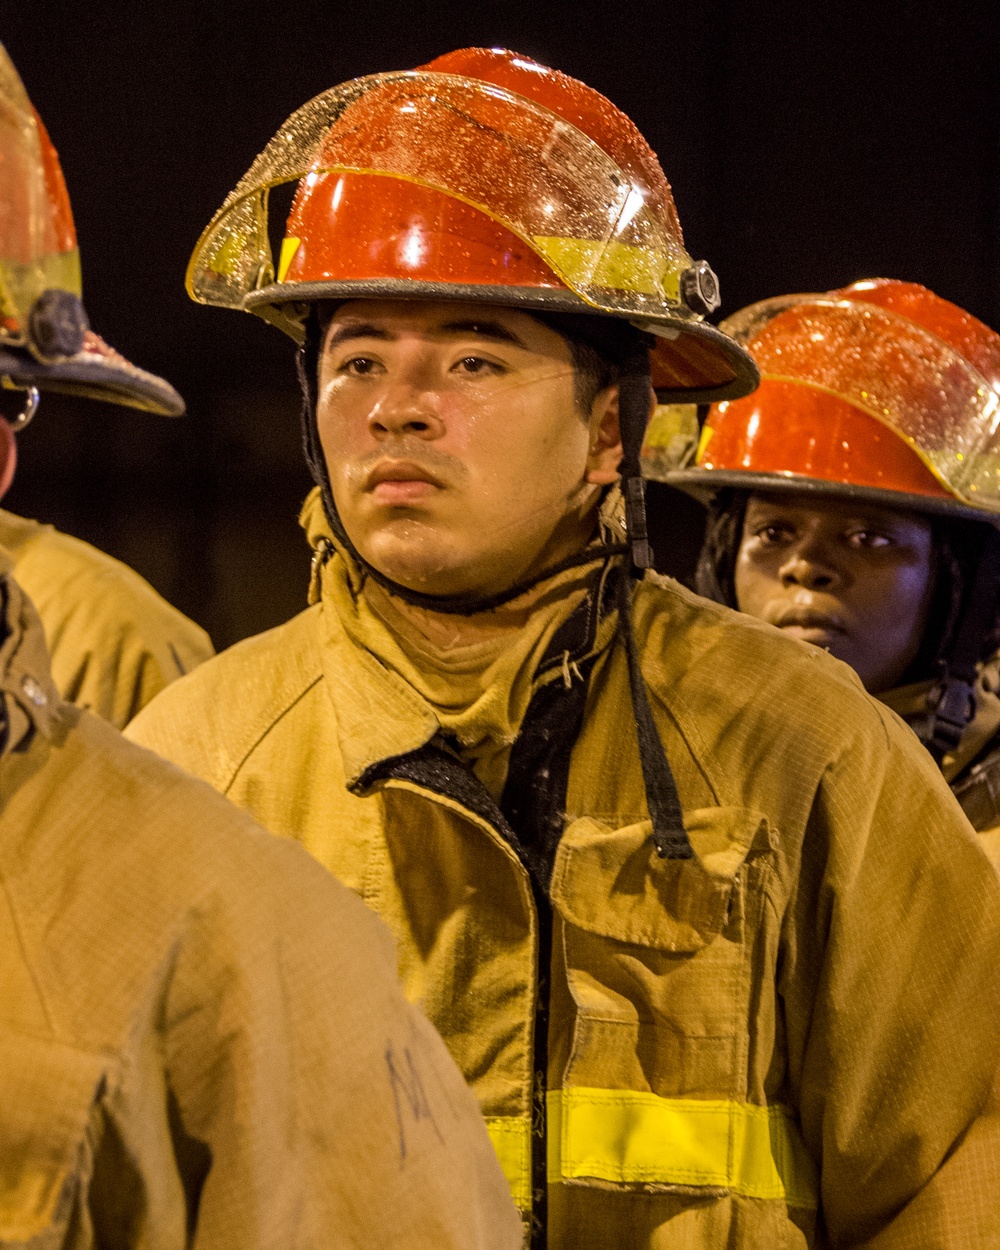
x=891 y=1001
x=315 y=1107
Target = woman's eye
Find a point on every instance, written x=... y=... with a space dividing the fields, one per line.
x=868 y=538
x=769 y=534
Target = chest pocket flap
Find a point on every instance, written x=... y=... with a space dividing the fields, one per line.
x=611 y=882
x=48 y=1091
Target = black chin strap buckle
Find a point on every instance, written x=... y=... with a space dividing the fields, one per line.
x=950 y=716
x=635 y=520
x=635 y=394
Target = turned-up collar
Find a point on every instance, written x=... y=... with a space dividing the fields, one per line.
x=381 y=715
x=29 y=701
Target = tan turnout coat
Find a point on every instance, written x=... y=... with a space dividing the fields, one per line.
x=787 y=1041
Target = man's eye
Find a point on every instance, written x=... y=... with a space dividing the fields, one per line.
x=476 y=366
x=359 y=366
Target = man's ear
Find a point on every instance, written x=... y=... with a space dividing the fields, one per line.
x=605 y=438
x=8 y=456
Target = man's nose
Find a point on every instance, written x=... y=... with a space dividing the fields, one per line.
x=406 y=409
x=809 y=565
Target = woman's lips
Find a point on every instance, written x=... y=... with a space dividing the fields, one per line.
x=819 y=628
x=818 y=635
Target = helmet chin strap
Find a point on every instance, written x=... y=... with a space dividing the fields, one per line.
x=635 y=392
x=953 y=701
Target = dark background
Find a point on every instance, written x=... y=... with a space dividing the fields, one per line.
x=808 y=144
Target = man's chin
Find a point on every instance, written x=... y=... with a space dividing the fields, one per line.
x=423 y=567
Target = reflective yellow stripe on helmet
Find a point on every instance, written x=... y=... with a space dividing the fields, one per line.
x=625 y=1135
x=511 y=1138
x=612 y=265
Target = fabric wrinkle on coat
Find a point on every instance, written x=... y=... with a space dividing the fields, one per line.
x=202 y=1036
x=113 y=641
x=719 y=1029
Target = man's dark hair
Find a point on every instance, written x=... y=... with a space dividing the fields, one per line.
x=592 y=373
x=599 y=346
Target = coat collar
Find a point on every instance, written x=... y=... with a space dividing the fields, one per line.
x=29 y=701
x=391 y=700
x=910 y=702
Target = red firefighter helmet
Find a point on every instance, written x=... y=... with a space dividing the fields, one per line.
x=880 y=390
x=45 y=340
x=481 y=176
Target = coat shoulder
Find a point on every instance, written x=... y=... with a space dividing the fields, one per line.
x=730 y=679
x=66 y=577
x=198 y=724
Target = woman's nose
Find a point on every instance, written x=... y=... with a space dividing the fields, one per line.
x=808 y=566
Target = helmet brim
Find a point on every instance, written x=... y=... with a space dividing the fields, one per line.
x=96 y=372
x=704 y=484
x=284 y=304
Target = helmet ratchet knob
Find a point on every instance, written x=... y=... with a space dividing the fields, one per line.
x=57 y=324
x=700 y=288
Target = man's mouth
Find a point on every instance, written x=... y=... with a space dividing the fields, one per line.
x=396 y=482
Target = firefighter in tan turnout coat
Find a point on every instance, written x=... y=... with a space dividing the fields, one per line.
x=855 y=502
x=656 y=901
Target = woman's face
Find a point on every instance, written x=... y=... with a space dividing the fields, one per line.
x=855 y=579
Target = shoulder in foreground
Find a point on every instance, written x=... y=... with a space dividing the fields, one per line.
x=208 y=720
x=149 y=831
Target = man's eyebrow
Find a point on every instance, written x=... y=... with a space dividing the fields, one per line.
x=357 y=330
x=484 y=330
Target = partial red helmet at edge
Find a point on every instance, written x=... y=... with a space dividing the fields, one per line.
x=481 y=176
x=966 y=334
x=45 y=340
x=881 y=386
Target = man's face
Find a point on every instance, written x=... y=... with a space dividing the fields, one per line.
x=854 y=579
x=459 y=458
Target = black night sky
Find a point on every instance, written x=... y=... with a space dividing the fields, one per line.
x=808 y=144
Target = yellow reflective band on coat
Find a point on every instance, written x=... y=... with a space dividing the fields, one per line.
x=628 y=1136
x=511 y=1138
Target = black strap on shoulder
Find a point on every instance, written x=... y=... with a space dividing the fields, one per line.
x=534 y=794
x=955 y=704
x=669 y=835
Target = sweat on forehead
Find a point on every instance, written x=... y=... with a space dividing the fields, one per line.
x=426 y=313
x=593 y=345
